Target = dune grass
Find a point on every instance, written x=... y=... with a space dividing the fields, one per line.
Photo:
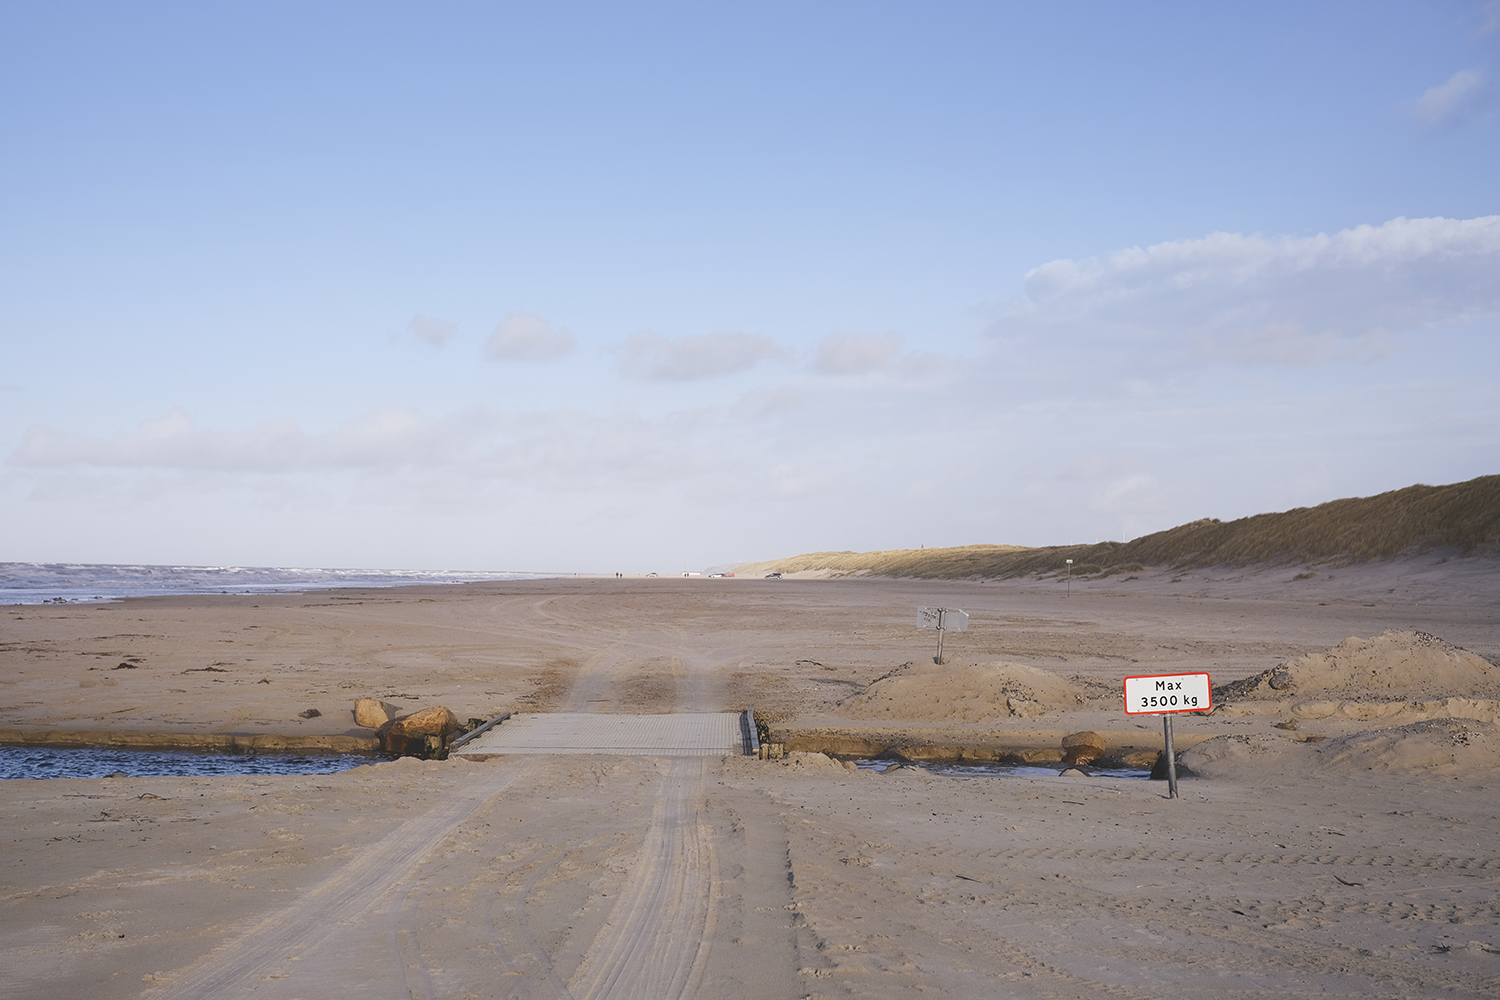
x=1463 y=517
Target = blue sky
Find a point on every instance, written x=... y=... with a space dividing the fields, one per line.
x=657 y=287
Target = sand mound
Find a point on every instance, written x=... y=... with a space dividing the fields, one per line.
x=1238 y=756
x=815 y=763
x=1393 y=665
x=963 y=692
x=1389 y=713
x=1436 y=746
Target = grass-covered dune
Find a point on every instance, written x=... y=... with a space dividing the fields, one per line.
x=1464 y=517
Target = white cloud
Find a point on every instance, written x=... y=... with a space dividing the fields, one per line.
x=650 y=355
x=381 y=438
x=854 y=353
x=436 y=332
x=527 y=337
x=470 y=452
x=1291 y=344
x=1491 y=17
x=1253 y=299
x=766 y=401
x=1451 y=103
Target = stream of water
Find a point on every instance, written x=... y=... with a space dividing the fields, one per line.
x=1002 y=770
x=98 y=762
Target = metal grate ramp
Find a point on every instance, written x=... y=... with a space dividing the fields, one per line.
x=689 y=734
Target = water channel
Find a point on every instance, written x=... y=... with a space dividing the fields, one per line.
x=105 y=762
x=951 y=770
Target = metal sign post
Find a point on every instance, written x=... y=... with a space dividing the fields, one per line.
x=942 y=619
x=1166 y=695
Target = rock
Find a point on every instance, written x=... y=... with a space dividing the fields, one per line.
x=373 y=714
x=309 y=713
x=1073 y=772
x=1083 y=748
x=408 y=734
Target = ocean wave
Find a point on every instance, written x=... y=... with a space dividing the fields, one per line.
x=47 y=583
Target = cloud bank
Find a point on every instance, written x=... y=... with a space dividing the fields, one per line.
x=1279 y=301
x=383 y=438
x=473 y=452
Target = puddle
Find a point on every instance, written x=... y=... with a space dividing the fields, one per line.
x=1002 y=770
x=91 y=762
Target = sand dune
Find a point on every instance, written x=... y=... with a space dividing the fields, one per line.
x=1462 y=520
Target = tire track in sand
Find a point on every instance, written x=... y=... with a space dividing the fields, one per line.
x=354 y=888
x=656 y=942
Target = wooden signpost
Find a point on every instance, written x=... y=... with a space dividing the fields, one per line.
x=1166 y=695
x=940 y=619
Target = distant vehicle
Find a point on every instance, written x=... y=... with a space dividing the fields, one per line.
x=650 y=574
x=773 y=576
x=716 y=576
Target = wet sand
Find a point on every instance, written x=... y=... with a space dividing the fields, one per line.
x=615 y=877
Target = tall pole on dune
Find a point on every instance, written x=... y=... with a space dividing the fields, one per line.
x=1070 y=578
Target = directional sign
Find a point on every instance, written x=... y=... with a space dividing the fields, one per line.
x=1160 y=694
x=951 y=619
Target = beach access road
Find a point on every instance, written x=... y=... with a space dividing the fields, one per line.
x=568 y=877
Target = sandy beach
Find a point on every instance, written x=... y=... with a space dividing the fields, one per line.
x=1365 y=863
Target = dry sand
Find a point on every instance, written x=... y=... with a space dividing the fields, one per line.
x=1367 y=863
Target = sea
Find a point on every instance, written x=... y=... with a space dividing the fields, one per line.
x=67 y=583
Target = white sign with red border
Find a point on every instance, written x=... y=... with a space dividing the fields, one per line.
x=1159 y=694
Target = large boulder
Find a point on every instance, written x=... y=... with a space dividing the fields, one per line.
x=1083 y=748
x=372 y=714
x=408 y=734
